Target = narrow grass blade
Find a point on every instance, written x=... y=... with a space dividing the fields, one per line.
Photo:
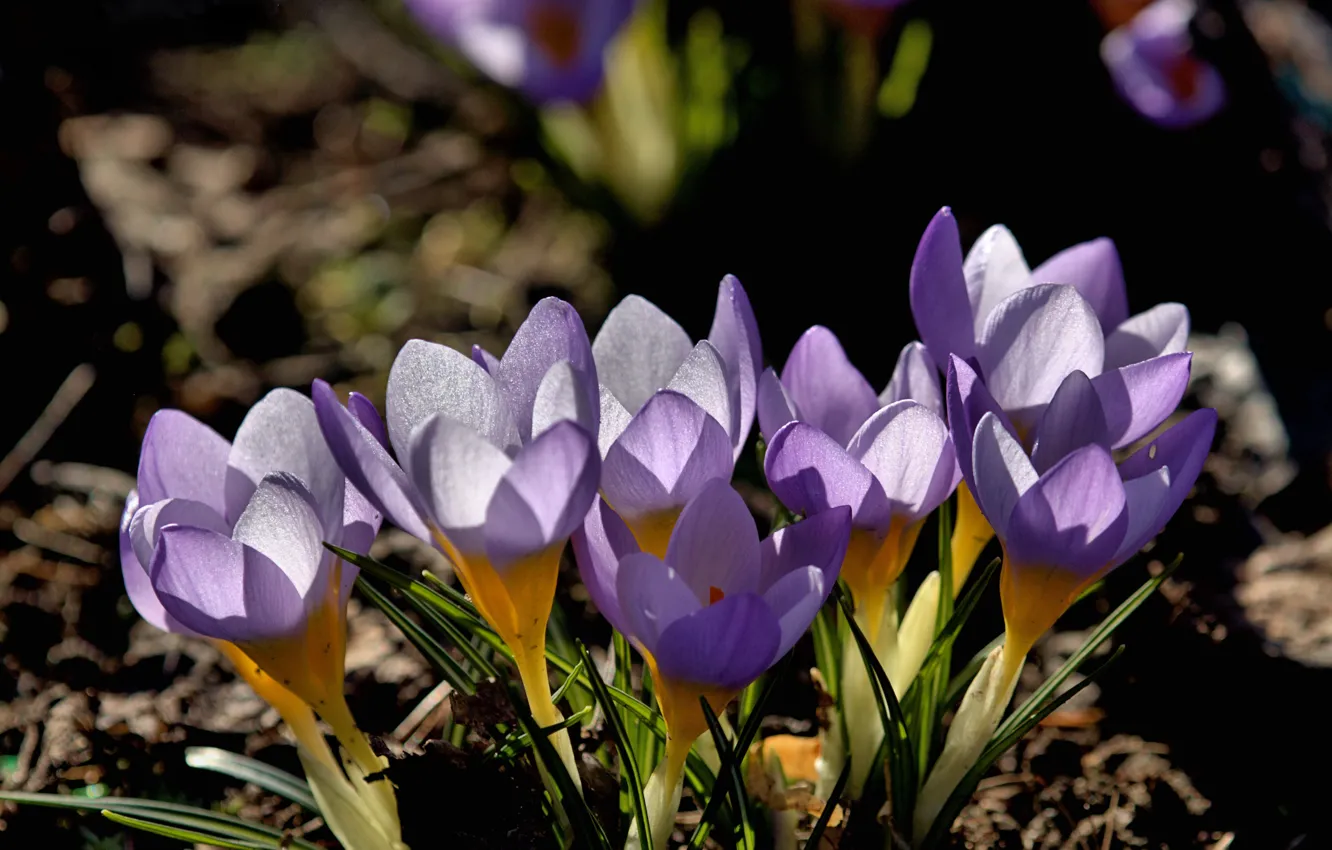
x=826 y=651
x=254 y=771
x=730 y=770
x=432 y=649
x=825 y=816
x=189 y=836
x=629 y=769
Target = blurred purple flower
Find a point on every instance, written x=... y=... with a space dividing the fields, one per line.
x=551 y=50
x=674 y=415
x=1151 y=62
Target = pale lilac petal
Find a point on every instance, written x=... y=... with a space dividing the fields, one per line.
x=810 y=473
x=938 y=291
x=1182 y=450
x=182 y=458
x=671 y=448
x=552 y=332
x=830 y=393
x=775 y=407
x=485 y=360
x=1164 y=329
x=428 y=379
x=1145 y=499
x=818 y=541
x=562 y=397
x=544 y=496
x=368 y=415
x=1002 y=471
x=615 y=417
x=1032 y=341
x=968 y=400
x=281 y=434
x=456 y=470
x=367 y=465
x=638 y=350
x=702 y=378
x=282 y=523
x=994 y=270
x=915 y=377
x=148 y=520
x=652 y=597
x=735 y=334
x=794 y=600
x=223 y=589
x=726 y=645
x=1140 y=396
x=1074 y=418
x=1073 y=517
x=1093 y=267
x=599 y=546
x=137 y=584
x=715 y=543
x=360 y=521
x=907 y=448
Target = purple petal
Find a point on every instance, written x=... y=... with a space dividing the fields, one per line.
x=735 y=334
x=908 y=450
x=702 y=378
x=223 y=589
x=1182 y=450
x=1073 y=517
x=652 y=597
x=367 y=465
x=968 y=400
x=1138 y=397
x=1074 y=418
x=939 y=301
x=282 y=523
x=915 y=377
x=552 y=332
x=1093 y=267
x=715 y=543
x=794 y=600
x=1145 y=498
x=830 y=393
x=1164 y=329
x=281 y=434
x=1002 y=471
x=149 y=520
x=485 y=360
x=810 y=473
x=671 y=448
x=544 y=496
x=638 y=350
x=368 y=415
x=599 y=546
x=182 y=458
x=817 y=541
x=360 y=524
x=562 y=397
x=137 y=584
x=726 y=645
x=1032 y=341
x=428 y=379
x=775 y=407
x=457 y=471
x=994 y=270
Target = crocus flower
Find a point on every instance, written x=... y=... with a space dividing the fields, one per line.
x=496 y=471
x=550 y=50
x=834 y=443
x=224 y=540
x=714 y=613
x=674 y=415
x=1065 y=517
x=1155 y=71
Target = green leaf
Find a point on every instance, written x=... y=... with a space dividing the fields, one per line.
x=432 y=649
x=629 y=770
x=189 y=836
x=515 y=743
x=730 y=769
x=253 y=771
x=826 y=651
x=901 y=751
x=820 y=825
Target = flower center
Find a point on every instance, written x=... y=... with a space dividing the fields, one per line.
x=555 y=30
x=1183 y=77
x=715 y=595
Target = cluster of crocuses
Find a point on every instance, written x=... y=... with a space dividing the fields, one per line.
x=1026 y=386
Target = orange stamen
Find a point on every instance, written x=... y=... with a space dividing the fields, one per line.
x=715 y=595
x=555 y=30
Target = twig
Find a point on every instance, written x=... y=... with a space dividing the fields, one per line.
x=1110 y=820
x=70 y=392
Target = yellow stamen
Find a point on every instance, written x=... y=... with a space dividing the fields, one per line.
x=715 y=595
x=1033 y=598
x=873 y=563
x=971 y=535
x=555 y=29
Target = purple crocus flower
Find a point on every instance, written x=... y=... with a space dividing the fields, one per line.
x=499 y=466
x=1155 y=71
x=719 y=609
x=889 y=458
x=674 y=414
x=224 y=540
x=551 y=50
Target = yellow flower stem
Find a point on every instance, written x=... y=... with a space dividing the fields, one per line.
x=971 y=535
